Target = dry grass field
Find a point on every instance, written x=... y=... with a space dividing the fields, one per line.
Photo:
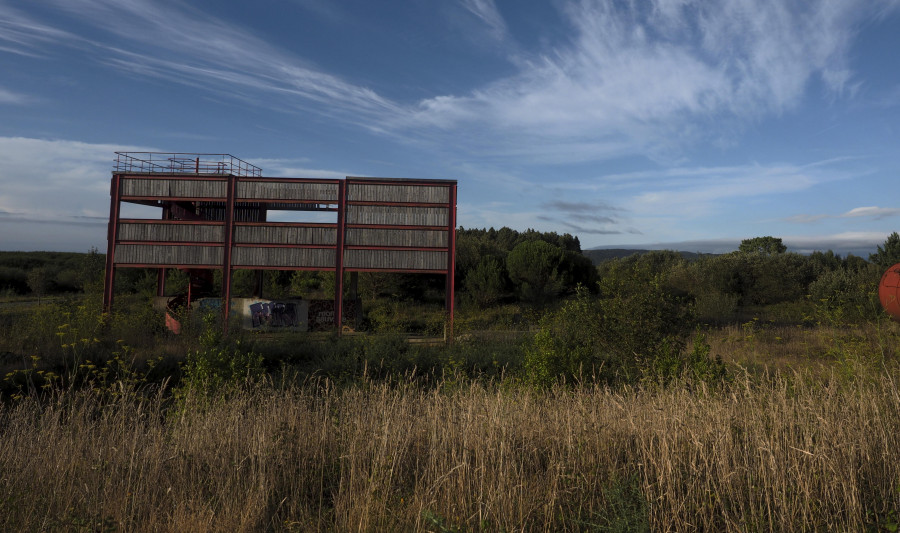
x=801 y=434
x=775 y=451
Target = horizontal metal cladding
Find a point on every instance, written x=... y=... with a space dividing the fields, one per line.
x=285 y=235
x=287 y=190
x=171 y=232
x=180 y=188
x=153 y=254
x=396 y=237
x=426 y=194
x=283 y=257
x=397 y=215
x=395 y=259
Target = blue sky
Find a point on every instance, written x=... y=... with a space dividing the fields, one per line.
x=669 y=123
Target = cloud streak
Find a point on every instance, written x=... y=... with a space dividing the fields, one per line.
x=56 y=180
x=168 y=41
x=873 y=212
x=9 y=97
x=634 y=78
x=486 y=11
x=639 y=79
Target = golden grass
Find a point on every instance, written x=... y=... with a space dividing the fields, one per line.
x=758 y=343
x=778 y=452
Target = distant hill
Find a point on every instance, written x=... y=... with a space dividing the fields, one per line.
x=600 y=255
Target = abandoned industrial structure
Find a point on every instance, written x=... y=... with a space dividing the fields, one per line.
x=215 y=212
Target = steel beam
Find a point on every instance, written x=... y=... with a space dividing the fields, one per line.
x=339 y=258
x=229 y=243
x=451 y=262
x=111 y=235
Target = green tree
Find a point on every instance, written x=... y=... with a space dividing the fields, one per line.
x=534 y=267
x=91 y=270
x=762 y=245
x=889 y=254
x=40 y=280
x=486 y=282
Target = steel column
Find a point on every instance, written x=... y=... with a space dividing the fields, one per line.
x=226 y=253
x=111 y=235
x=161 y=272
x=451 y=262
x=339 y=258
x=258 y=290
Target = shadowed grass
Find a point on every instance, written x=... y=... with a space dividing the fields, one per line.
x=781 y=451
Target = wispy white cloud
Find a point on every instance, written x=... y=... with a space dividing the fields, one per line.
x=646 y=79
x=873 y=212
x=486 y=11
x=56 y=179
x=9 y=97
x=177 y=43
x=54 y=194
x=23 y=35
x=634 y=78
x=696 y=191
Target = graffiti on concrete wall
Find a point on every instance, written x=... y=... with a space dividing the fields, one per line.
x=275 y=314
x=321 y=314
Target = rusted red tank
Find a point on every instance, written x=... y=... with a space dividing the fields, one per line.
x=889 y=291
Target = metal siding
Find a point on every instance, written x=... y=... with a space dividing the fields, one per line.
x=396 y=259
x=151 y=254
x=364 y=192
x=273 y=190
x=397 y=215
x=182 y=188
x=283 y=257
x=285 y=235
x=396 y=237
x=171 y=232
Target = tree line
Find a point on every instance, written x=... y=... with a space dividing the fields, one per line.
x=531 y=268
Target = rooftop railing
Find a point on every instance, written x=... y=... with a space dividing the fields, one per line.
x=183 y=163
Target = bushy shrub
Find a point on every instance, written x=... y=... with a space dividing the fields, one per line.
x=618 y=337
x=569 y=343
x=850 y=293
x=220 y=365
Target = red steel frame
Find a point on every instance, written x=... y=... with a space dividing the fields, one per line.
x=228 y=243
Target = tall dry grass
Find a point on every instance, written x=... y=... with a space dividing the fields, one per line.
x=778 y=452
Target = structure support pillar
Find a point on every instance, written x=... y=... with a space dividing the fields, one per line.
x=161 y=272
x=451 y=263
x=226 y=253
x=112 y=234
x=339 y=257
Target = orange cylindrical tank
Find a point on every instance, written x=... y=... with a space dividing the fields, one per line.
x=889 y=291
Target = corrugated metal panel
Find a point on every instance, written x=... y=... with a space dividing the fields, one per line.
x=283 y=257
x=171 y=232
x=364 y=192
x=279 y=190
x=395 y=259
x=285 y=235
x=397 y=216
x=396 y=237
x=174 y=188
x=151 y=254
x=216 y=211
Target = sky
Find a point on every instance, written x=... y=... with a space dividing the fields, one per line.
x=676 y=124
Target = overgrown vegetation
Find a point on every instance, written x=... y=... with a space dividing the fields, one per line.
x=749 y=391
